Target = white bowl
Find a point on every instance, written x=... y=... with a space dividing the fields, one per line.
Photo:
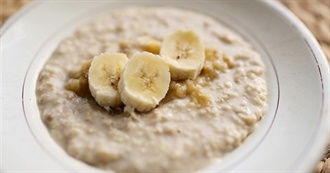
x=290 y=138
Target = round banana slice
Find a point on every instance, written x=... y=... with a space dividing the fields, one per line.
x=184 y=51
x=103 y=77
x=144 y=81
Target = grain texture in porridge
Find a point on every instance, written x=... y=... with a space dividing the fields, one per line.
x=198 y=122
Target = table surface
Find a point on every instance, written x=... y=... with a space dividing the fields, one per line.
x=314 y=13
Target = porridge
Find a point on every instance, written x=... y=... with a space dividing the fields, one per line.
x=200 y=120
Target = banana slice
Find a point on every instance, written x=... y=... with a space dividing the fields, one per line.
x=144 y=81
x=103 y=77
x=184 y=51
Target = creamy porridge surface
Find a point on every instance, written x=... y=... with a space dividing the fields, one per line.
x=197 y=123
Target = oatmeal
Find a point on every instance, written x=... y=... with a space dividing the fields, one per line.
x=199 y=121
